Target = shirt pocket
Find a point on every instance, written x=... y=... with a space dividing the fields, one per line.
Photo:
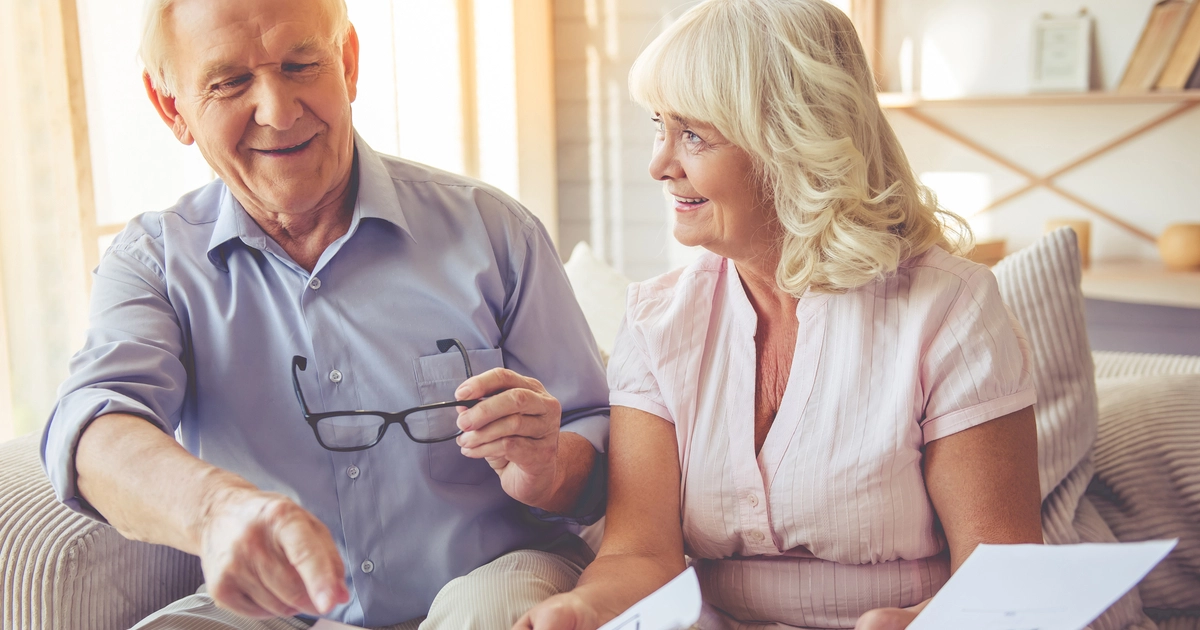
x=438 y=375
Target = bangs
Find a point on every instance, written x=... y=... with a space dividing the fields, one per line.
x=693 y=70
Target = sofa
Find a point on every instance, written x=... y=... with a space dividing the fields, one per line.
x=1139 y=479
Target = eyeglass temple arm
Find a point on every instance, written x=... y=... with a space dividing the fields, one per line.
x=445 y=345
x=301 y=363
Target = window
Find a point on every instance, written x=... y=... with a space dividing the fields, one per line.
x=88 y=152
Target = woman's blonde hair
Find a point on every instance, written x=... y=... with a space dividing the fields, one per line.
x=155 y=53
x=787 y=81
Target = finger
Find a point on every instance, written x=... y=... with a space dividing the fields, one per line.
x=493 y=381
x=512 y=402
x=536 y=427
x=309 y=548
x=281 y=579
x=517 y=450
x=263 y=598
x=228 y=594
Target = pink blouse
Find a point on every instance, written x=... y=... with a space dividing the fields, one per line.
x=831 y=518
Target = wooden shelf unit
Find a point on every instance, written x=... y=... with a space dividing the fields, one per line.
x=912 y=105
x=900 y=100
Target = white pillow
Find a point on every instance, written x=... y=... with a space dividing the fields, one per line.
x=1041 y=285
x=600 y=291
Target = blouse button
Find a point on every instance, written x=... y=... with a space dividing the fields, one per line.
x=753 y=499
x=757 y=536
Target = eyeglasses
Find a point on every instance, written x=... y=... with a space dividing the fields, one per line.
x=359 y=430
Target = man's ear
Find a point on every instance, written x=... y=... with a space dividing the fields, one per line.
x=165 y=106
x=350 y=62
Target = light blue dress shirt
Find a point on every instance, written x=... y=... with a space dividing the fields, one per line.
x=196 y=314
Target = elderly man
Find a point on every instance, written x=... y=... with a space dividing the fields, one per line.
x=257 y=317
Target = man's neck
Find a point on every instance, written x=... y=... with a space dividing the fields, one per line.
x=305 y=236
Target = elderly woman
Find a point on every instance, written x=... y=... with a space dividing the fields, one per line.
x=828 y=410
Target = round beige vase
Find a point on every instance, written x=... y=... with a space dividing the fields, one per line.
x=1179 y=247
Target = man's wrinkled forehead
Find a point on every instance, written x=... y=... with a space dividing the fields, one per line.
x=215 y=33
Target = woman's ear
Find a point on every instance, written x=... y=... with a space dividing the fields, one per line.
x=165 y=106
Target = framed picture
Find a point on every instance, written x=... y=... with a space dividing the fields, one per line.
x=1062 y=54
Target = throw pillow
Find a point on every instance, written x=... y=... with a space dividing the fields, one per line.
x=1040 y=284
x=600 y=290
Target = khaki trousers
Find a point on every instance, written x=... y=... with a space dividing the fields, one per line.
x=491 y=597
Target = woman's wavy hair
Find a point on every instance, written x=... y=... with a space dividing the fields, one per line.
x=155 y=52
x=787 y=81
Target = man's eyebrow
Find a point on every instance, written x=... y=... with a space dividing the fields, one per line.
x=306 y=46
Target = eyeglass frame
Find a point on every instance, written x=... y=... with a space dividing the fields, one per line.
x=301 y=363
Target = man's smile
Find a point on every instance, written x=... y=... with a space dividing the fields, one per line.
x=287 y=150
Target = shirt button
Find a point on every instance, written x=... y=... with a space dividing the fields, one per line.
x=335 y=376
x=314 y=284
x=757 y=536
x=753 y=499
x=368 y=566
x=353 y=473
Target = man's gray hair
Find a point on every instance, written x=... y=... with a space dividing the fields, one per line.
x=154 y=50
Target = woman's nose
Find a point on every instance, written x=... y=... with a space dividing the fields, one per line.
x=663 y=165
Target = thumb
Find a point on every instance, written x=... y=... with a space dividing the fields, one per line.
x=309 y=548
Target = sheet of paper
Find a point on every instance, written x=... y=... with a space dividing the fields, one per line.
x=1039 y=587
x=325 y=624
x=675 y=606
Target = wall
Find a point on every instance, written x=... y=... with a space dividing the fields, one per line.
x=605 y=195
x=960 y=47
x=983 y=48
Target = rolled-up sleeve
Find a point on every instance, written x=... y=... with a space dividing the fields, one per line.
x=979 y=366
x=546 y=336
x=130 y=362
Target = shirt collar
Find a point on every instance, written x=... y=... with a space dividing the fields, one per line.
x=376 y=200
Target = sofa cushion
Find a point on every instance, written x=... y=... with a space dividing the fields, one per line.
x=600 y=290
x=1147 y=484
x=1040 y=284
x=64 y=571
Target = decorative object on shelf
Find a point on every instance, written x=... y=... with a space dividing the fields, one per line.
x=1184 y=62
x=1167 y=19
x=1179 y=247
x=1083 y=233
x=988 y=251
x=1062 y=53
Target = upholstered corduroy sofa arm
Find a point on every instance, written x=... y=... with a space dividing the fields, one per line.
x=63 y=571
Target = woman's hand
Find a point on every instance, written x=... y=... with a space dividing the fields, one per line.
x=567 y=611
x=886 y=619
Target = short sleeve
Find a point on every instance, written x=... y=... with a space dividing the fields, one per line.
x=978 y=365
x=631 y=382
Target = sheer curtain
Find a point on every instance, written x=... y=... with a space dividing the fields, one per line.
x=42 y=191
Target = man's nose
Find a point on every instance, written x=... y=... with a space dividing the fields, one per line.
x=276 y=106
x=663 y=165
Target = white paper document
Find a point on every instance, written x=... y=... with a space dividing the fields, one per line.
x=1039 y=587
x=325 y=624
x=675 y=606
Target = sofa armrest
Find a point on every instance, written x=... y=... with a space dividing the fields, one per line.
x=65 y=571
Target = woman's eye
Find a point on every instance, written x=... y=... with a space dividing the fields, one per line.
x=658 y=124
x=691 y=137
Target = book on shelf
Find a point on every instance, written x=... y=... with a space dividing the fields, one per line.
x=1185 y=57
x=1154 y=48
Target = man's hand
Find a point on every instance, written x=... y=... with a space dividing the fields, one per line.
x=265 y=556
x=516 y=431
x=566 y=611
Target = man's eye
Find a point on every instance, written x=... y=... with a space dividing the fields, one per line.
x=298 y=67
x=225 y=86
